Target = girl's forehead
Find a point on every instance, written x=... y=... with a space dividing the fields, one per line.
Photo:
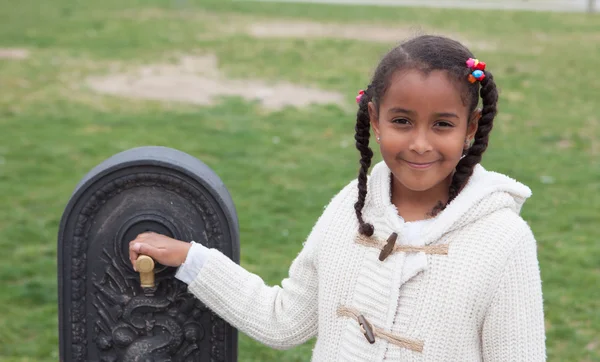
x=420 y=91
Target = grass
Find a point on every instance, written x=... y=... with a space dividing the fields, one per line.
x=53 y=130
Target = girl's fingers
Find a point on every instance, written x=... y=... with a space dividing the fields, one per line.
x=154 y=245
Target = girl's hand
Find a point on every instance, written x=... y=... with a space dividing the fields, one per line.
x=163 y=249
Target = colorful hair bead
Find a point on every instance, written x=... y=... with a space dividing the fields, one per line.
x=479 y=75
x=478 y=68
x=471 y=63
x=359 y=96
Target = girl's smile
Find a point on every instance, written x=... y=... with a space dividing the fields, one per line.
x=420 y=165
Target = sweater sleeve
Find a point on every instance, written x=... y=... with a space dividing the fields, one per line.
x=193 y=263
x=280 y=317
x=514 y=329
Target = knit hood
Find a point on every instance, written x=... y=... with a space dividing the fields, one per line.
x=486 y=192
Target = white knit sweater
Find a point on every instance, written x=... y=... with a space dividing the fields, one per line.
x=473 y=291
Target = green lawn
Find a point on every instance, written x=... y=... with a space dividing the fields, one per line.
x=53 y=130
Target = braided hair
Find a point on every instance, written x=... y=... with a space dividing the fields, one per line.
x=426 y=53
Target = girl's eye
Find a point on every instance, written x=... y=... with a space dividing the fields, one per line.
x=444 y=124
x=400 y=121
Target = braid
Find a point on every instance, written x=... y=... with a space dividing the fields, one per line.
x=464 y=169
x=361 y=136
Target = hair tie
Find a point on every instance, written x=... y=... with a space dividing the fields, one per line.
x=359 y=96
x=477 y=67
x=361 y=93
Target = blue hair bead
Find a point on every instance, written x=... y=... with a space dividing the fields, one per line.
x=477 y=73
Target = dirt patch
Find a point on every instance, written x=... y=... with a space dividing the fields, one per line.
x=18 y=54
x=181 y=12
x=514 y=96
x=232 y=23
x=94 y=129
x=366 y=32
x=197 y=80
x=320 y=30
x=564 y=144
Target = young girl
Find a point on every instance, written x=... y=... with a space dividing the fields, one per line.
x=427 y=259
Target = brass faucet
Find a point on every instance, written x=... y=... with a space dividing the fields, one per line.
x=145 y=266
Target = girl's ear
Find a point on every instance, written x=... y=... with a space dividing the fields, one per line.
x=473 y=124
x=374 y=119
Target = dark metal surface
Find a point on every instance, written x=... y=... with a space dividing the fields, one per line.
x=104 y=315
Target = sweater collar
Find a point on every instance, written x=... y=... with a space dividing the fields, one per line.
x=484 y=193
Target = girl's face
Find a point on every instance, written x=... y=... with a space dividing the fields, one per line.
x=422 y=124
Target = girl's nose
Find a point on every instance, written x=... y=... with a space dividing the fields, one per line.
x=420 y=143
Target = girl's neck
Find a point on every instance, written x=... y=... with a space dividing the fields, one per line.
x=417 y=205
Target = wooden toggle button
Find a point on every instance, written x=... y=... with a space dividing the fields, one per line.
x=389 y=247
x=366 y=329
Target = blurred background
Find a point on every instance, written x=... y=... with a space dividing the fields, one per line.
x=263 y=93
